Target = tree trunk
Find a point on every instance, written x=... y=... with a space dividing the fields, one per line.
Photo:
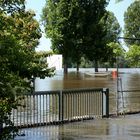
x=65 y=68
x=77 y=68
x=96 y=66
x=106 y=69
x=65 y=64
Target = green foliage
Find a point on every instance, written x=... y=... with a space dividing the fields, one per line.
x=80 y=28
x=132 y=23
x=74 y=27
x=19 y=35
x=93 y=30
x=116 y=51
x=108 y=31
x=113 y=30
x=40 y=66
x=133 y=56
x=7 y=103
x=85 y=63
x=10 y=6
x=112 y=27
x=118 y=1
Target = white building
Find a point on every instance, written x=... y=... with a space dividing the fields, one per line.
x=55 y=61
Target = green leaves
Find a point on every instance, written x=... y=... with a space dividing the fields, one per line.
x=116 y=48
x=74 y=27
x=132 y=23
x=10 y=6
x=118 y=1
x=19 y=36
x=133 y=56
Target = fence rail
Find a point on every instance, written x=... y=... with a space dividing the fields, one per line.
x=47 y=107
x=128 y=101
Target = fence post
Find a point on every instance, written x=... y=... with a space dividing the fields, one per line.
x=105 y=102
x=61 y=109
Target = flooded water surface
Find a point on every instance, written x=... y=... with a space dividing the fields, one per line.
x=117 y=128
x=127 y=128
x=130 y=82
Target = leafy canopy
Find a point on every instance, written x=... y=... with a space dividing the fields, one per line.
x=19 y=35
x=132 y=24
x=74 y=26
x=133 y=56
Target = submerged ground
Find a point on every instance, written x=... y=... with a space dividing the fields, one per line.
x=116 y=128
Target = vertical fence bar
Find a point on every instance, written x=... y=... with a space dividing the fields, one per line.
x=61 y=109
x=34 y=109
x=105 y=104
x=24 y=107
x=46 y=108
x=27 y=110
x=52 y=110
x=43 y=109
x=40 y=108
x=30 y=108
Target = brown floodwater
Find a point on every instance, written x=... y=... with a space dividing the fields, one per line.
x=128 y=101
x=130 y=80
x=116 y=128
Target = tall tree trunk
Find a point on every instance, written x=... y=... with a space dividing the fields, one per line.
x=65 y=63
x=77 y=67
x=65 y=68
x=96 y=66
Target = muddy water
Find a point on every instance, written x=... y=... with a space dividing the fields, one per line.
x=120 y=128
x=130 y=81
x=127 y=128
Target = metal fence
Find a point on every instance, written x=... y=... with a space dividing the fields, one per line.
x=128 y=101
x=47 y=107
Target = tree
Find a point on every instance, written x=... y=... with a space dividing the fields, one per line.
x=133 y=56
x=117 y=52
x=19 y=35
x=122 y=0
x=113 y=31
x=112 y=27
x=60 y=26
x=73 y=25
x=118 y=0
x=90 y=29
x=132 y=24
x=108 y=30
x=10 y=6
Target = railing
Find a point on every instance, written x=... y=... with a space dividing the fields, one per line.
x=128 y=101
x=48 y=107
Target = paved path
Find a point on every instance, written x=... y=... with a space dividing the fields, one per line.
x=119 y=128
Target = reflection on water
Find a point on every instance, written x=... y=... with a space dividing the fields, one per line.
x=73 y=80
x=130 y=81
x=127 y=128
x=112 y=129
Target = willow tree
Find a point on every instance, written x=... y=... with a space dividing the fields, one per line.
x=19 y=35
